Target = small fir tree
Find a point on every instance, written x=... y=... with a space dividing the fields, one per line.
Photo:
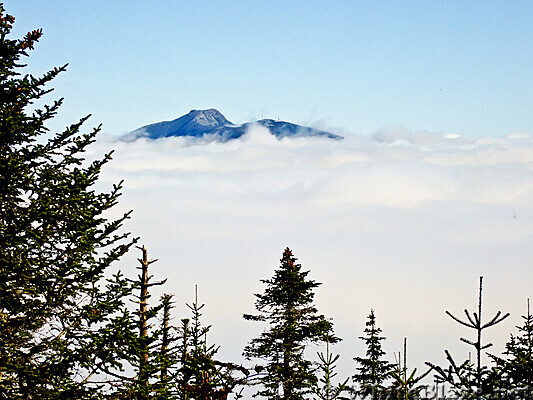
x=467 y=379
x=287 y=306
x=325 y=388
x=516 y=369
x=405 y=385
x=373 y=370
x=201 y=376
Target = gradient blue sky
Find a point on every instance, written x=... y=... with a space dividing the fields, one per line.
x=405 y=227
x=350 y=66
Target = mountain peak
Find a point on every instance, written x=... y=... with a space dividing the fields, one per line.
x=198 y=123
x=209 y=117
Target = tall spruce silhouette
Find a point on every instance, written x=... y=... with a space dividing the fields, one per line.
x=293 y=322
x=373 y=370
x=56 y=242
x=142 y=370
x=167 y=361
x=147 y=343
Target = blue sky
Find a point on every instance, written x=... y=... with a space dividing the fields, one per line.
x=400 y=221
x=351 y=66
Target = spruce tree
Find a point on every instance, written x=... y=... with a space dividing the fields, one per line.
x=515 y=371
x=326 y=389
x=55 y=243
x=373 y=370
x=149 y=358
x=287 y=306
x=466 y=379
x=201 y=376
x=405 y=385
x=167 y=356
x=147 y=342
x=198 y=372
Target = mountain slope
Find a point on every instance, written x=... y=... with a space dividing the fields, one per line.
x=204 y=123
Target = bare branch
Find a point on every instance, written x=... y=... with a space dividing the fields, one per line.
x=495 y=320
x=470 y=318
x=458 y=320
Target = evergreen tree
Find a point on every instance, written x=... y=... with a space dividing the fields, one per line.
x=198 y=369
x=201 y=376
x=373 y=370
x=145 y=349
x=167 y=357
x=470 y=380
x=326 y=389
x=147 y=343
x=516 y=369
x=55 y=243
x=287 y=306
x=405 y=385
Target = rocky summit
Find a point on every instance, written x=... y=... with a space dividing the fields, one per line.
x=212 y=124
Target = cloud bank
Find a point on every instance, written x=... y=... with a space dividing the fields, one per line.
x=402 y=222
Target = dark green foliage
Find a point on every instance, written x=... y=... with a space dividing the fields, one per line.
x=287 y=306
x=200 y=376
x=198 y=368
x=168 y=362
x=146 y=347
x=67 y=332
x=373 y=370
x=146 y=342
x=515 y=371
x=154 y=354
x=405 y=385
x=55 y=244
x=167 y=356
x=325 y=388
x=464 y=380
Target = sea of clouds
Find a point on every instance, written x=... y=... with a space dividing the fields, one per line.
x=399 y=221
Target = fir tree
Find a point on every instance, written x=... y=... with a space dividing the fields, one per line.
x=326 y=389
x=198 y=369
x=516 y=369
x=55 y=243
x=373 y=370
x=201 y=376
x=147 y=343
x=470 y=380
x=287 y=306
x=405 y=385
x=167 y=357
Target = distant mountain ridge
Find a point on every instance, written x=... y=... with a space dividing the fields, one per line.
x=211 y=122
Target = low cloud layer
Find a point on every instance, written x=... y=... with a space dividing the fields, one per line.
x=402 y=222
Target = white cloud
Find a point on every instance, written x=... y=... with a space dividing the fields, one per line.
x=403 y=222
x=391 y=134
